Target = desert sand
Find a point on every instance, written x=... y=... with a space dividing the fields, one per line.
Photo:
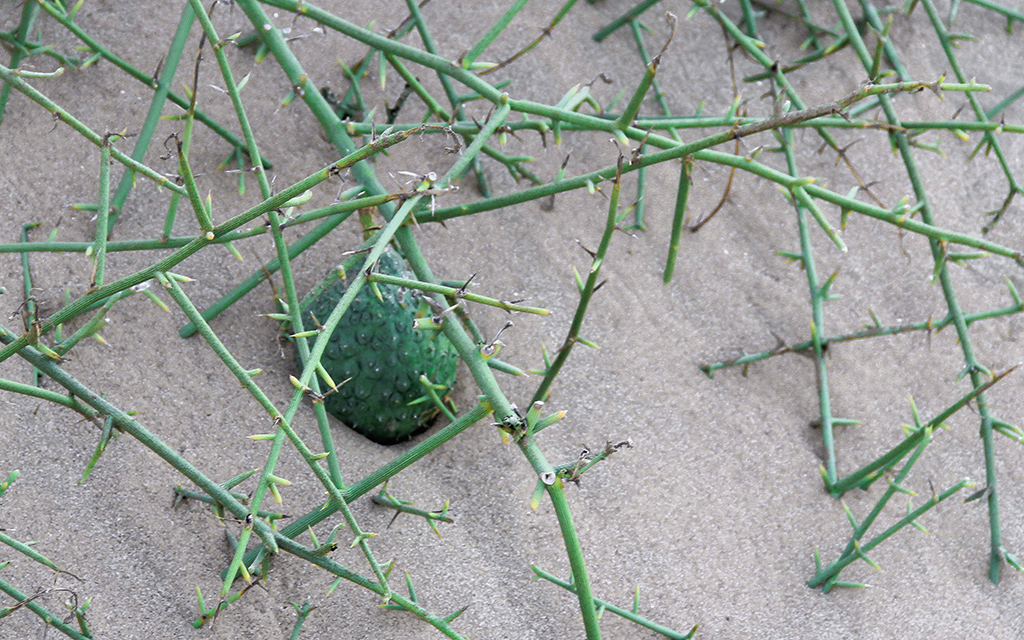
x=717 y=509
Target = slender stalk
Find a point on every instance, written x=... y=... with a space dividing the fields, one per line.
x=671 y=122
x=629 y=16
x=284 y=428
x=895 y=217
x=29 y=602
x=184 y=144
x=449 y=91
x=29 y=11
x=659 y=96
x=470 y=57
x=829 y=573
x=28 y=551
x=853 y=549
x=678 y=220
x=972 y=368
x=871 y=332
x=989 y=139
x=513 y=164
x=999 y=8
x=324 y=562
x=867 y=474
x=750 y=46
x=167 y=264
x=302 y=612
x=454 y=292
x=161 y=85
x=527 y=443
x=129 y=425
x=818 y=295
x=162 y=90
x=619 y=611
x=114 y=246
x=633 y=106
x=33 y=391
x=102 y=216
x=586 y=293
x=14 y=79
x=29 y=318
x=202 y=497
x=380 y=476
x=385 y=499
x=545 y=33
x=233 y=92
x=581 y=579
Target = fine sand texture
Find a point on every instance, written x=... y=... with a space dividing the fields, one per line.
x=715 y=512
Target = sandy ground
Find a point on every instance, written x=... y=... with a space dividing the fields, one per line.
x=716 y=511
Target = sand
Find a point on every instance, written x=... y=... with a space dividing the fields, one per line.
x=715 y=512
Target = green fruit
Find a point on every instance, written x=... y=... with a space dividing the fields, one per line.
x=377 y=350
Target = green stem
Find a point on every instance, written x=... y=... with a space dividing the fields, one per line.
x=32 y=391
x=818 y=295
x=380 y=476
x=898 y=219
x=998 y=8
x=632 y=108
x=28 y=551
x=872 y=332
x=102 y=216
x=671 y=122
x=752 y=48
x=324 y=562
x=162 y=90
x=449 y=90
x=38 y=609
x=232 y=88
x=586 y=293
x=832 y=570
x=124 y=245
x=202 y=497
x=581 y=579
x=93 y=326
x=470 y=57
x=619 y=611
x=939 y=256
x=102 y=293
x=678 y=220
x=127 y=424
x=867 y=474
x=302 y=612
x=629 y=16
x=284 y=428
x=14 y=79
x=30 y=301
x=29 y=11
x=385 y=499
x=979 y=113
x=545 y=33
x=454 y=292
x=260 y=275
x=161 y=85
x=658 y=95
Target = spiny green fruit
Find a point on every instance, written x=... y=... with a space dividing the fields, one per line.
x=376 y=349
